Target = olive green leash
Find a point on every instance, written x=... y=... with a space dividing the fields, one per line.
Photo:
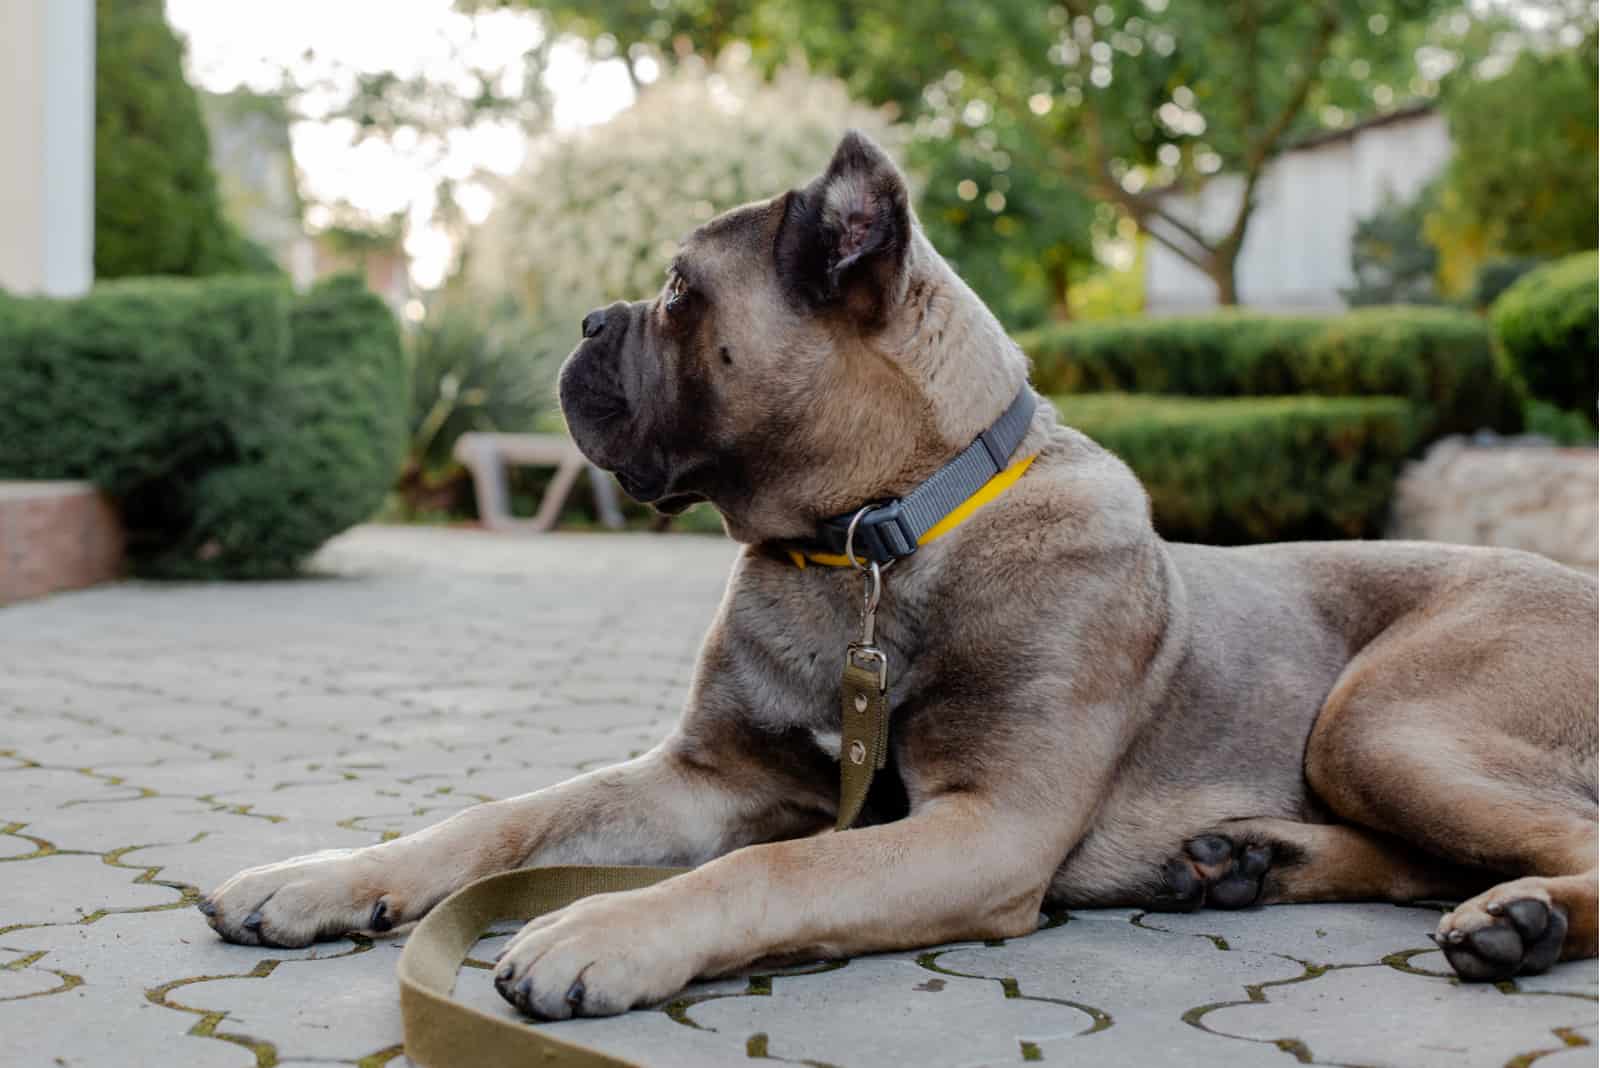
x=863 y=701
x=441 y=1032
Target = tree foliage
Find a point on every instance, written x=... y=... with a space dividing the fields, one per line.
x=596 y=216
x=157 y=207
x=1390 y=257
x=1526 y=147
x=1121 y=99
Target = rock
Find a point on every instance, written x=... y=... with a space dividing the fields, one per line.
x=1509 y=494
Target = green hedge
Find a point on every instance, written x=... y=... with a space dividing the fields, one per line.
x=1440 y=360
x=237 y=426
x=1234 y=470
x=1546 y=324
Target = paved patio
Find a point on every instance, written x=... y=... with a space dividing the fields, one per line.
x=153 y=739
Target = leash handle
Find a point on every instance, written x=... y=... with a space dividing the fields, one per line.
x=441 y=1032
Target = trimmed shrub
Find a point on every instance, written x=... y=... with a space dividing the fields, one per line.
x=237 y=426
x=1235 y=470
x=1498 y=275
x=1546 y=325
x=157 y=209
x=1440 y=360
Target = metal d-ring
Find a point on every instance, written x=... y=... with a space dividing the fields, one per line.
x=871 y=590
x=850 y=538
x=871 y=565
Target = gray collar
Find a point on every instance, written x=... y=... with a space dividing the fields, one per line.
x=889 y=530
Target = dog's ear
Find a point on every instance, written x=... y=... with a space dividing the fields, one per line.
x=845 y=237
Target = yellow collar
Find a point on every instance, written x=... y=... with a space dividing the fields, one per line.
x=963 y=512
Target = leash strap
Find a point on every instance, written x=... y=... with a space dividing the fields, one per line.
x=441 y=1032
x=889 y=531
x=863 y=733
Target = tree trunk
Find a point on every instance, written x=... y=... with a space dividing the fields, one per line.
x=1060 y=290
x=1223 y=264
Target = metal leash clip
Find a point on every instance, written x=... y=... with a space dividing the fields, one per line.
x=865 y=652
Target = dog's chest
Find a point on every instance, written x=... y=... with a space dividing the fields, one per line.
x=826 y=740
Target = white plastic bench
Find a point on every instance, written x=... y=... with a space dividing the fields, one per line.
x=487 y=456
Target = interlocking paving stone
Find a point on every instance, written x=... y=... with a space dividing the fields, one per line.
x=1381 y=1016
x=154 y=739
x=1316 y=934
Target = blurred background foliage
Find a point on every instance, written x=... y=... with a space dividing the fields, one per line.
x=609 y=205
x=157 y=208
x=1074 y=113
x=1043 y=142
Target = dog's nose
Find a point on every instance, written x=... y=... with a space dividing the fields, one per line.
x=594 y=322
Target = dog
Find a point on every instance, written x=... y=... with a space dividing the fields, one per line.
x=1083 y=714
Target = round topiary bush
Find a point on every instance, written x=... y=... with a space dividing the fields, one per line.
x=237 y=425
x=1546 y=327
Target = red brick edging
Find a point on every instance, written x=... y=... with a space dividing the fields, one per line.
x=56 y=536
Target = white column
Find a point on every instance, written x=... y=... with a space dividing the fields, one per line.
x=46 y=146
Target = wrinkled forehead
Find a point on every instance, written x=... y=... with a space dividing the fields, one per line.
x=731 y=246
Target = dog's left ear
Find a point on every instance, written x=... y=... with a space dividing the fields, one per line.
x=845 y=236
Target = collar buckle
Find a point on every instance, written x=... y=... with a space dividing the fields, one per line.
x=878 y=534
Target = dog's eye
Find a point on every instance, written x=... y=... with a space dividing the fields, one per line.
x=677 y=289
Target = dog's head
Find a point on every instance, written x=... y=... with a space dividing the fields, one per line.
x=800 y=359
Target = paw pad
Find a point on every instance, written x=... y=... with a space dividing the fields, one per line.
x=1214 y=870
x=1520 y=937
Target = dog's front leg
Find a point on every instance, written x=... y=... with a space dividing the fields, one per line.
x=661 y=808
x=959 y=867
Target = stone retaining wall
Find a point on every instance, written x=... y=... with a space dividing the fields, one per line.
x=1540 y=498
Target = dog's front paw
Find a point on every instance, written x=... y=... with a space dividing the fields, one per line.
x=597 y=957
x=296 y=902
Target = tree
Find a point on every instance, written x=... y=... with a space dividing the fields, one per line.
x=157 y=208
x=1128 y=99
x=994 y=198
x=1391 y=260
x=590 y=220
x=1526 y=145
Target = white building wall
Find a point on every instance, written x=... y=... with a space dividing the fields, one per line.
x=47 y=146
x=1296 y=255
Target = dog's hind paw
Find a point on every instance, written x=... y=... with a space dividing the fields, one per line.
x=1216 y=871
x=1505 y=932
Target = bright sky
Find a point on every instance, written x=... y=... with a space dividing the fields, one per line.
x=245 y=42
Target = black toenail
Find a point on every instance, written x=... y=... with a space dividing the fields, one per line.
x=380 y=920
x=575 y=994
x=252 y=922
x=206 y=907
x=502 y=981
